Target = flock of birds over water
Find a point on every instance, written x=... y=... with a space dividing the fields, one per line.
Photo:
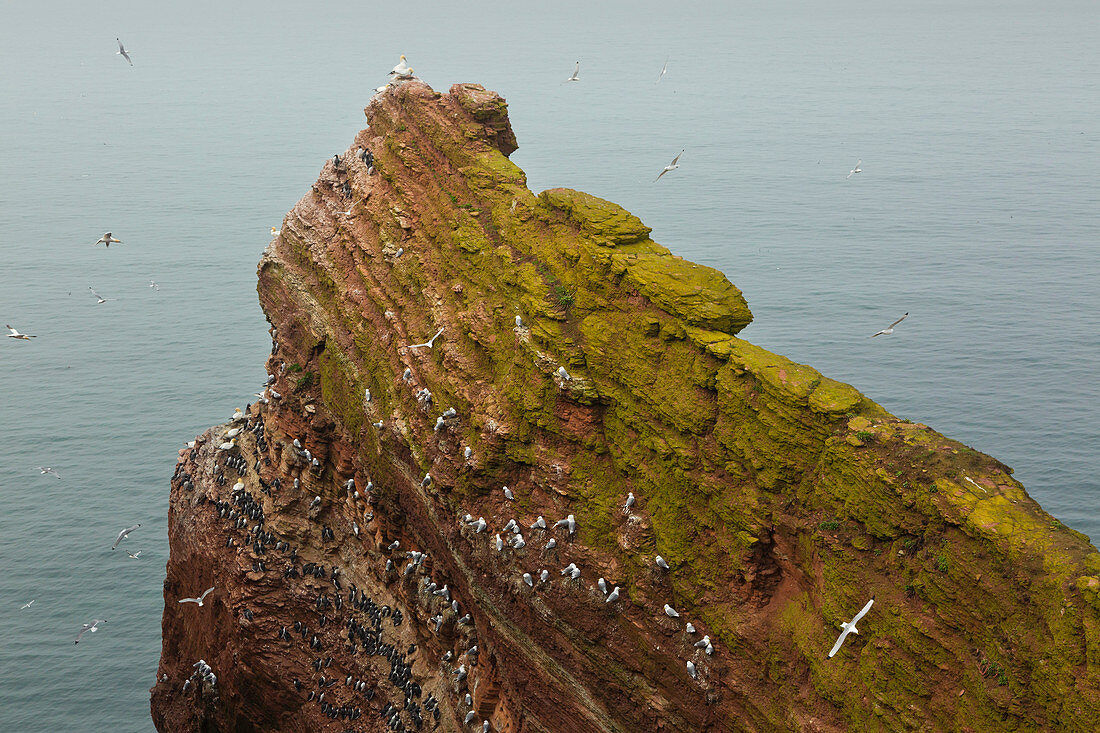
x=364 y=629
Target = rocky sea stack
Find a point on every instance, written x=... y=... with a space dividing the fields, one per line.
x=781 y=500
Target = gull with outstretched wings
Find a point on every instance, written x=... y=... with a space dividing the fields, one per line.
x=99 y=298
x=890 y=329
x=850 y=628
x=122 y=52
x=123 y=534
x=670 y=167
x=89 y=627
x=429 y=343
x=200 y=599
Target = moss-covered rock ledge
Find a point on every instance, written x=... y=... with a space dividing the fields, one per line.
x=781 y=499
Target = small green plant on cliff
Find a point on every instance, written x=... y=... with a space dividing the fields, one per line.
x=295 y=367
x=941 y=563
x=865 y=435
x=993 y=669
x=305 y=381
x=565 y=297
x=830 y=524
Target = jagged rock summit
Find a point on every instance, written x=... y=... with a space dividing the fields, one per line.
x=372 y=574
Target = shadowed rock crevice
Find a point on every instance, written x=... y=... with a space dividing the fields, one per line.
x=781 y=499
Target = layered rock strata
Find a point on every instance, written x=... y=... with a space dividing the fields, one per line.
x=351 y=530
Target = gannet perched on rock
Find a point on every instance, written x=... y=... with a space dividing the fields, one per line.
x=402 y=70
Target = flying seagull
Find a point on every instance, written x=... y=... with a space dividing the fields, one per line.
x=850 y=628
x=46 y=469
x=26 y=605
x=200 y=599
x=670 y=167
x=576 y=72
x=16 y=335
x=855 y=170
x=429 y=342
x=108 y=240
x=99 y=298
x=664 y=70
x=122 y=52
x=153 y=284
x=123 y=533
x=890 y=329
x=133 y=555
x=89 y=627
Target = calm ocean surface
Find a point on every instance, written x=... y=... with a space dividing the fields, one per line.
x=976 y=212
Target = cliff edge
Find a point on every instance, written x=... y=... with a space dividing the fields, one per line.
x=370 y=572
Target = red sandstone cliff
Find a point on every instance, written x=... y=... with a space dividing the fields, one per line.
x=781 y=500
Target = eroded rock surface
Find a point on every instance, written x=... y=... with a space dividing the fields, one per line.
x=780 y=499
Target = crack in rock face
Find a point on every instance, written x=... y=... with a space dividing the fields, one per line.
x=490 y=412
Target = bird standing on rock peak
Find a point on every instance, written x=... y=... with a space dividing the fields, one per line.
x=402 y=70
